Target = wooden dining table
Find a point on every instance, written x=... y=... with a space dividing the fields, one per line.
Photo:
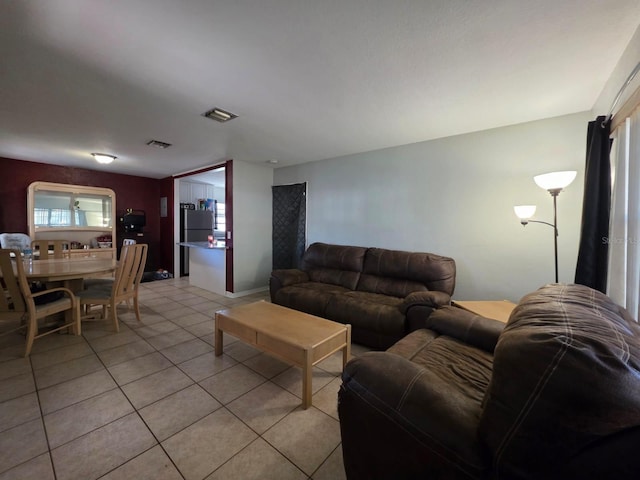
x=69 y=271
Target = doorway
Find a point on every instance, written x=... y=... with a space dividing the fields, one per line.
x=210 y=184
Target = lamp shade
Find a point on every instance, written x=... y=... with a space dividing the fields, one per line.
x=524 y=212
x=555 y=180
x=103 y=157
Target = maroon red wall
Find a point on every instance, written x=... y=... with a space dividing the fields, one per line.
x=166 y=227
x=140 y=193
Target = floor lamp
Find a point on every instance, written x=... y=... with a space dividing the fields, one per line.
x=552 y=182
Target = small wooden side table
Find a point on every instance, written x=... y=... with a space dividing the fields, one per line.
x=496 y=309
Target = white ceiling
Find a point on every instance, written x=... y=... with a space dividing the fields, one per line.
x=308 y=79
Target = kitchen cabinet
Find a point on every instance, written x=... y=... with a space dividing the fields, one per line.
x=191 y=192
x=198 y=190
x=185 y=192
x=207 y=268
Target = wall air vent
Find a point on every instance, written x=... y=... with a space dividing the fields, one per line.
x=219 y=115
x=159 y=144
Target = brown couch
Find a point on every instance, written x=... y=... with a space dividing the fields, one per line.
x=383 y=294
x=555 y=395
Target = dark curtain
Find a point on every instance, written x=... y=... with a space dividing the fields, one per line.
x=591 y=269
x=289 y=224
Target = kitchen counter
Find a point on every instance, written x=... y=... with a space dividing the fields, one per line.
x=206 y=245
x=207 y=265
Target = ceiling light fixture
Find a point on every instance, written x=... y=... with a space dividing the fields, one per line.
x=103 y=158
x=219 y=115
x=158 y=143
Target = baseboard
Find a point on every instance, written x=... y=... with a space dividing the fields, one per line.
x=246 y=292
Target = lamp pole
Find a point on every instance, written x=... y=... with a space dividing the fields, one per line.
x=524 y=221
x=554 y=193
x=553 y=183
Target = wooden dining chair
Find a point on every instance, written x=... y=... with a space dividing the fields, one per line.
x=108 y=281
x=59 y=248
x=21 y=307
x=123 y=288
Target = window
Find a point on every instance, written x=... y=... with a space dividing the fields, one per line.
x=52 y=217
x=220 y=219
x=624 y=230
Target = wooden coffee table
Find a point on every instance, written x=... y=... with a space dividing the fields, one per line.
x=295 y=337
x=496 y=309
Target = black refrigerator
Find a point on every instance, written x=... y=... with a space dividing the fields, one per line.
x=195 y=226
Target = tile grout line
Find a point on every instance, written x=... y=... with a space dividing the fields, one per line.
x=194 y=382
x=119 y=387
x=44 y=427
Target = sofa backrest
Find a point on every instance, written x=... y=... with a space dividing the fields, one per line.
x=566 y=378
x=398 y=273
x=334 y=264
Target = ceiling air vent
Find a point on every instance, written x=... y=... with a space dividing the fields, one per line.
x=159 y=144
x=219 y=115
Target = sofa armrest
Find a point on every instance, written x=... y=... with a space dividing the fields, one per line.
x=472 y=329
x=400 y=420
x=284 y=277
x=429 y=299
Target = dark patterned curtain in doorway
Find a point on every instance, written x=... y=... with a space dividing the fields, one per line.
x=289 y=224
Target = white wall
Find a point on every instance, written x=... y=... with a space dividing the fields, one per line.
x=251 y=226
x=455 y=196
x=629 y=59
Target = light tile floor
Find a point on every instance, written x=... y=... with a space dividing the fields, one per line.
x=154 y=402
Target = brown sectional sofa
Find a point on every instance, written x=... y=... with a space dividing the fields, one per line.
x=383 y=294
x=554 y=394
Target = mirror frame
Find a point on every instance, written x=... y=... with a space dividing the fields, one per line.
x=73 y=190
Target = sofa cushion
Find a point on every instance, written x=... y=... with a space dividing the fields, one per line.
x=460 y=366
x=333 y=276
x=336 y=264
x=389 y=286
x=466 y=326
x=340 y=257
x=369 y=312
x=435 y=272
x=570 y=354
x=309 y=297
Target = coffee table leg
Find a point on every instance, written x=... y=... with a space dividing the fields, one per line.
x=307 y=371
x=218 y=339
x=346 y=352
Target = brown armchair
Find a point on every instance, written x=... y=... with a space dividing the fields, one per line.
x=555 y=395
